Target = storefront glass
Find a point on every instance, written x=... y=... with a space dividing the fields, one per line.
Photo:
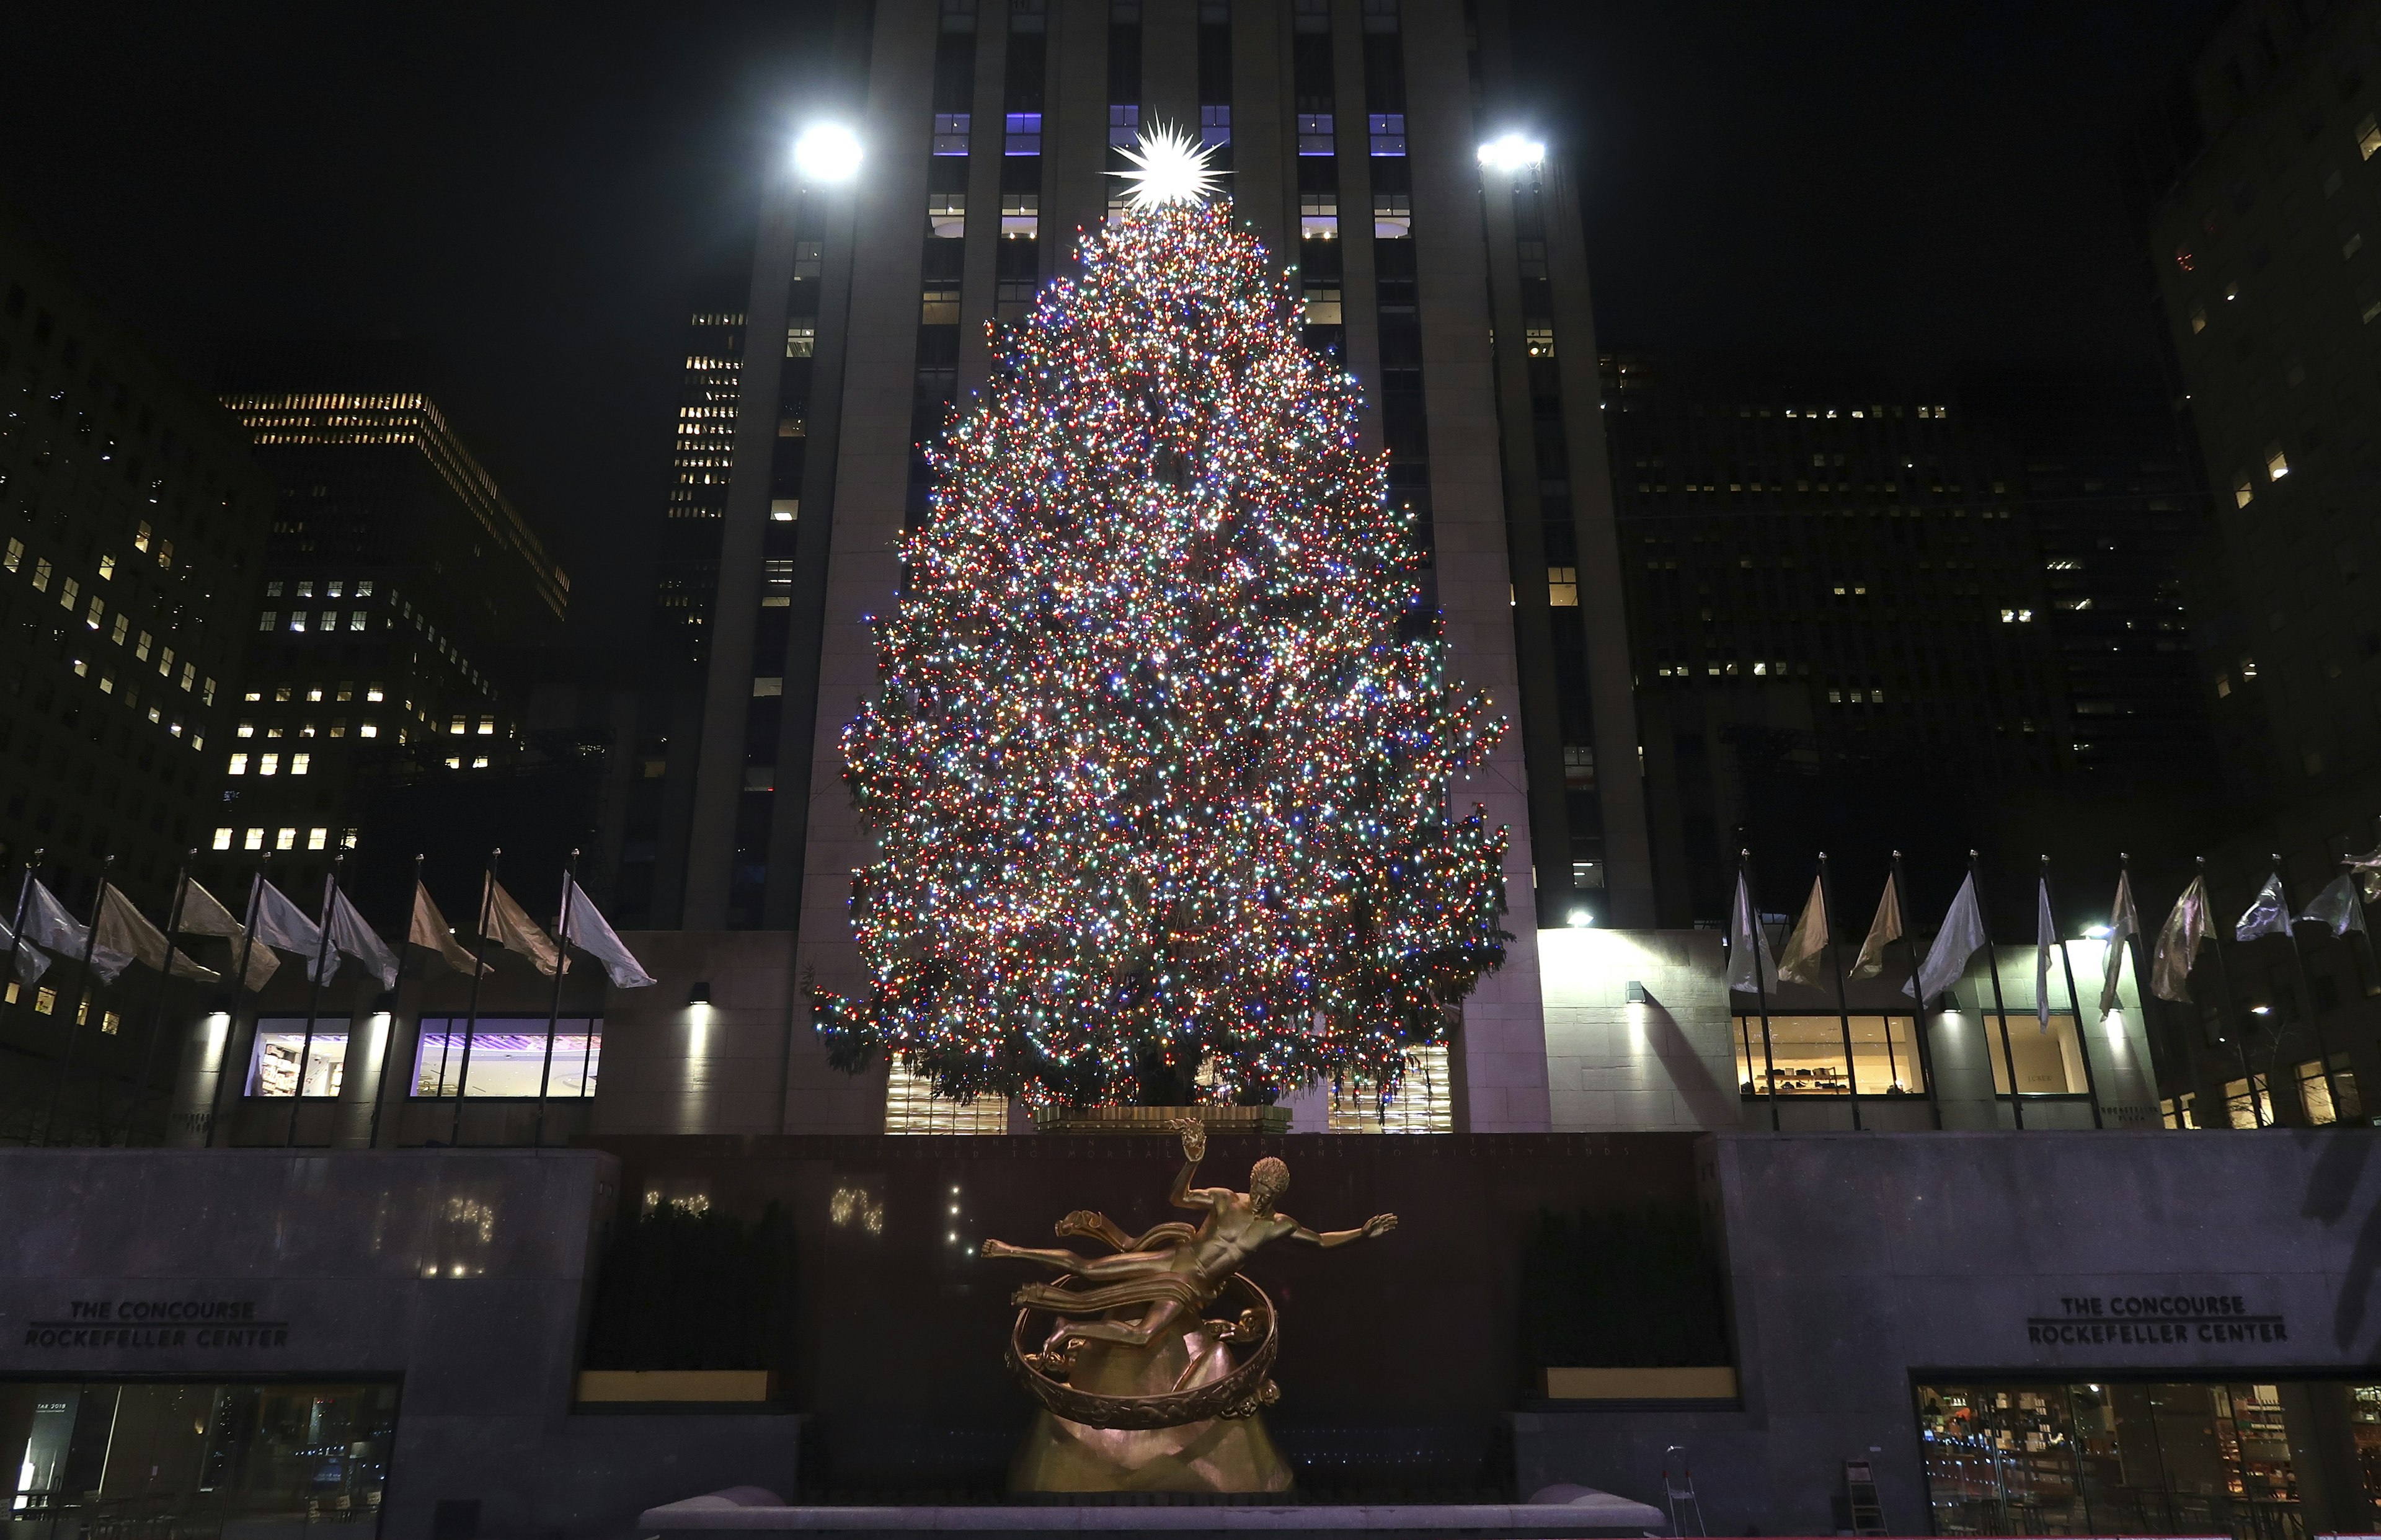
x=283 y=1051
x=508 y=1056
x=155 y=1460
x=2273 y=1460
x=1806 y=1053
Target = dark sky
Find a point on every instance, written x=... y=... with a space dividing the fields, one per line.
x=538 y=192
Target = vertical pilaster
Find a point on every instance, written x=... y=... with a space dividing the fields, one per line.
x=1502 y=1046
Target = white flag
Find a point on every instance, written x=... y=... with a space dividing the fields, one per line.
x=2339 y=906
x=126 y=931
x=2268 y=916
x=1746 y=942
x=2046 y=935
x=202 y=914
x=282 y=925
x=583 y=927
x=1885 y=928
x=2124 y=922
x=2179 y=941
x=31 y=961
x=351 y=937
x=431 y=932
x=1809 y=942
x=510 y=926
x=48 y=924
x=1962 y=938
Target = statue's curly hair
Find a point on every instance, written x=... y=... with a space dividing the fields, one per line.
x=1270 y=1172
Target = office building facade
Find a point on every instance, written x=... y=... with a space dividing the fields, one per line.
x=388 y=667
x=2259 y=194
x=1868 y=608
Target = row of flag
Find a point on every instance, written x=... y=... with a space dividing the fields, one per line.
x=119 y=934
x=2339 y=907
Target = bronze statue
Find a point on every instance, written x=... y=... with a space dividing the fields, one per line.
x=1150 y=1400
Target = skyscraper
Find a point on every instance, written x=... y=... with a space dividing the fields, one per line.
x=1872 y=609
x=131 y=518
x=2262 y=228
x=132 y=521
x=2259 y=193
x=1450 y=280
x=401 y=587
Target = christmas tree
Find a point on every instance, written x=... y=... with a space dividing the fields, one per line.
x=1159 y=758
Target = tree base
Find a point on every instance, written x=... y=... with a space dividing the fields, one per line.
x=1160 y=1119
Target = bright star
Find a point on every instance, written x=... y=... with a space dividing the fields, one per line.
x=1168 y=167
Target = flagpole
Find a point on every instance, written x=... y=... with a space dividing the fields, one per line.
x=2000 y=1007
x=2239 y=1034
x=2067 y=965
x=553 y=1011
x=471 y=1021
x=1843 y=1006
x=1917 y=992
x=2142 y=990
x=157 y=1013
x=314 y=997
x=85 y=999
x=1760 y=986
x=389 y=1043
x=239 y=983
x=2306 y=992
x=18 y=944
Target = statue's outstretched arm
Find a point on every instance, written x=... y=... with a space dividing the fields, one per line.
x=1194 y=1147
x=1379 y=1224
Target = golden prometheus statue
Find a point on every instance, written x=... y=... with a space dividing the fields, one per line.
x=1141 y=1393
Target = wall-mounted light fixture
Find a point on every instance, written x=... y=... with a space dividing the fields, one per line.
x=698 y=994
x=1636 y=993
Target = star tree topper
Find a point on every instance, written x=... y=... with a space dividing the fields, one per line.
x=1168 y=167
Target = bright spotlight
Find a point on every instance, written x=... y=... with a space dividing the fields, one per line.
x=827 y=153
x=1511 y=153
x=2095 y=933
x=1581 y=919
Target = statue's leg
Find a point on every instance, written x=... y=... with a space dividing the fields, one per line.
x=1132 y=1334
x=1049 y=1256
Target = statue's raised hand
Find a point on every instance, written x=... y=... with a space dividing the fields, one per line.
x=1194 y=1137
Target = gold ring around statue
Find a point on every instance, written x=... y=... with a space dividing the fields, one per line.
x=1237 y=1394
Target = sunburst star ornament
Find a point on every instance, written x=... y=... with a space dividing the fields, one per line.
x=1168 y=167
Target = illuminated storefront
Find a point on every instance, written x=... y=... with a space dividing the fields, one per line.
x=195 y=1459
x=2272 y=1459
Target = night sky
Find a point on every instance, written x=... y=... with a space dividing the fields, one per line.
x=539 y=194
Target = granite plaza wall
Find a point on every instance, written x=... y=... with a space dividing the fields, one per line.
x=464 y=1277
x=1859 y=1265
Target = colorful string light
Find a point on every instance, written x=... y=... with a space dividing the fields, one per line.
x=1158 y=759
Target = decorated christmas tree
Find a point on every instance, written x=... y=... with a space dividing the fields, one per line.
x=1159 y=758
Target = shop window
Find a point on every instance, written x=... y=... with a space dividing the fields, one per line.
x=1420 y=1104
x=2315 y=1091
x=2148 y=1456
x=2049 y=1062
x=912 y=1107
x=196 y=1457
x=283 y=1053
x=2179 y=1112
x=1806 y=1054
x=508 y=1056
